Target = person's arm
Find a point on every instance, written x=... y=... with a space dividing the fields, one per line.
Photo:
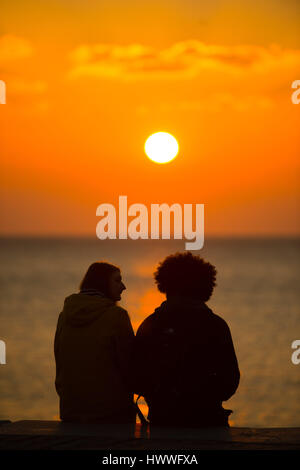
x=56 y=353
x=140 y=361
x=228 y=374
x=123 y=346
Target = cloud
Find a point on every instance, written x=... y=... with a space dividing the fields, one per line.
x=185 y=59
x=23 y=87
x=215 y=102
x=29 y=95
x=14 y=48
x=19 y=90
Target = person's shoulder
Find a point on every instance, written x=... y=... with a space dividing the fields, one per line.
x=219 y=322
x=118 y=311
x=119 y=318
x=117 y=308
x=146 y=324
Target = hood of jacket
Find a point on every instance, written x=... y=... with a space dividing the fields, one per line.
x=82 y=309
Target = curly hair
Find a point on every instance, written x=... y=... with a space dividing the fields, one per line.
x=186 y=274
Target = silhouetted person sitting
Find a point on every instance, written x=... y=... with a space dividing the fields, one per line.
x=93 y=351
x=185 y=360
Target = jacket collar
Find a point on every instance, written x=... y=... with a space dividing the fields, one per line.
x=178 y=301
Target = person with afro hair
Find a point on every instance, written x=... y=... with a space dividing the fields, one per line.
x=185 y=362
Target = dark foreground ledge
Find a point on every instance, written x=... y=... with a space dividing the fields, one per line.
x=54 y=435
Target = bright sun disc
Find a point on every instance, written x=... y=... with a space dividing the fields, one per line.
x=161 y=147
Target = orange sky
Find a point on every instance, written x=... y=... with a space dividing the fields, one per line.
x=88 y=82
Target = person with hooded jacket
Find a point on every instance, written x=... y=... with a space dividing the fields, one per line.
x=93 y=349
x=185 y=362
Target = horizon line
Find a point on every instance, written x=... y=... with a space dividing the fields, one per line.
x=94 y=237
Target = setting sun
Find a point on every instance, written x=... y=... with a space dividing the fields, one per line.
x=161 y=147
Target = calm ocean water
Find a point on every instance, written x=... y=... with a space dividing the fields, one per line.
x=257 y=294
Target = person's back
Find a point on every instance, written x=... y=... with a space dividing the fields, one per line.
x=186 y=369
x=93 y=351
x=185 y=362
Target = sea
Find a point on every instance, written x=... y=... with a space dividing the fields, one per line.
x=257 y=293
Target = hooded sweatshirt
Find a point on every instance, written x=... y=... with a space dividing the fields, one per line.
x=93 y=352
